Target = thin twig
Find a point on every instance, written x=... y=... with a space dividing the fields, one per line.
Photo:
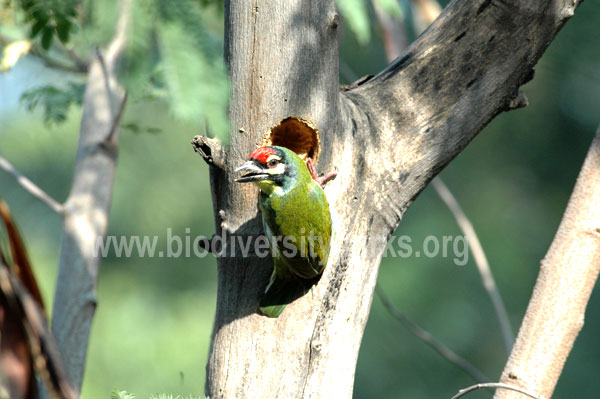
x=430 y=340
x=480 y=260
x=108 y=62
x=79 y=62
x=55 y=63
x=119 y=40
x=49 y=61
x=117 y=119
x=500 y=385
x=429 y=10
x=31 y=187
x=449 y=199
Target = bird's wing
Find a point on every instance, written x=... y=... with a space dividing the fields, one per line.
x=320 y=223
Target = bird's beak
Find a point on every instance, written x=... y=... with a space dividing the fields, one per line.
x=254 y=173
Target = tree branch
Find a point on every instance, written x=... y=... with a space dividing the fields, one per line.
x=80 y=64
x=430 y=340
x=31 y=187
x=567 y=276
x=480 y=260
x=428 y=11
x=87 y=207
x=472 y=388
x=49 y=61
x=422 y=106
x=54 y=63
x=210 y=150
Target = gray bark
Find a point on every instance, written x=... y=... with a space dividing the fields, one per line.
x=85 y=213
x=387 y=137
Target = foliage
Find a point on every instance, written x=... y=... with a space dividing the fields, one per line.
x=55 y=102
x=174 y=55
x=194 y=81
x=50 y=18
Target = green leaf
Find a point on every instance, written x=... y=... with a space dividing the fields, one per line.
x=54 y=102
x=137 y=129
x=36 y=28
x=49 y=17
x=47 y=37
x=63 y=28
x=356 y=15
x=196 y=80
x=138 y=66
x=133 y=127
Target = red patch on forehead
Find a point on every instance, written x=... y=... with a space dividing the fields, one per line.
x=262 y=153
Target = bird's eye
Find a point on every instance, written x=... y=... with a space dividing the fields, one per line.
x=272 y=163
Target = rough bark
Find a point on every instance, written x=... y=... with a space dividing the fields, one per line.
x=567 y=276
x=85 y=213
x=387 y=137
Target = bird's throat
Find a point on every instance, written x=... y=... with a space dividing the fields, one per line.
x=269 y=187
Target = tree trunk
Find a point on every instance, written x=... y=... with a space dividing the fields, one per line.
x=387 y=137
x=85 y=213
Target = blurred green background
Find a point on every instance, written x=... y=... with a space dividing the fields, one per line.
x=152 y=327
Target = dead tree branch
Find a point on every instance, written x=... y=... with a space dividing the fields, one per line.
x=567 y=276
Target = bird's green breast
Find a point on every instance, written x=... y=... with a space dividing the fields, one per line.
x=302 y=215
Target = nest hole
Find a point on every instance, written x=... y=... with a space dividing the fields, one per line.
x=297 y=134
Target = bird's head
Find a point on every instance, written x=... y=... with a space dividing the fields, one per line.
x=270 y=168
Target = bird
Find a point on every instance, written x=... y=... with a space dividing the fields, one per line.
x=296 y=220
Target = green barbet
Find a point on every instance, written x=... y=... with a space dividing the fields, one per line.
x=296 y=221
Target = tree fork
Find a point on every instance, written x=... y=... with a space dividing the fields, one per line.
x=387 y=136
